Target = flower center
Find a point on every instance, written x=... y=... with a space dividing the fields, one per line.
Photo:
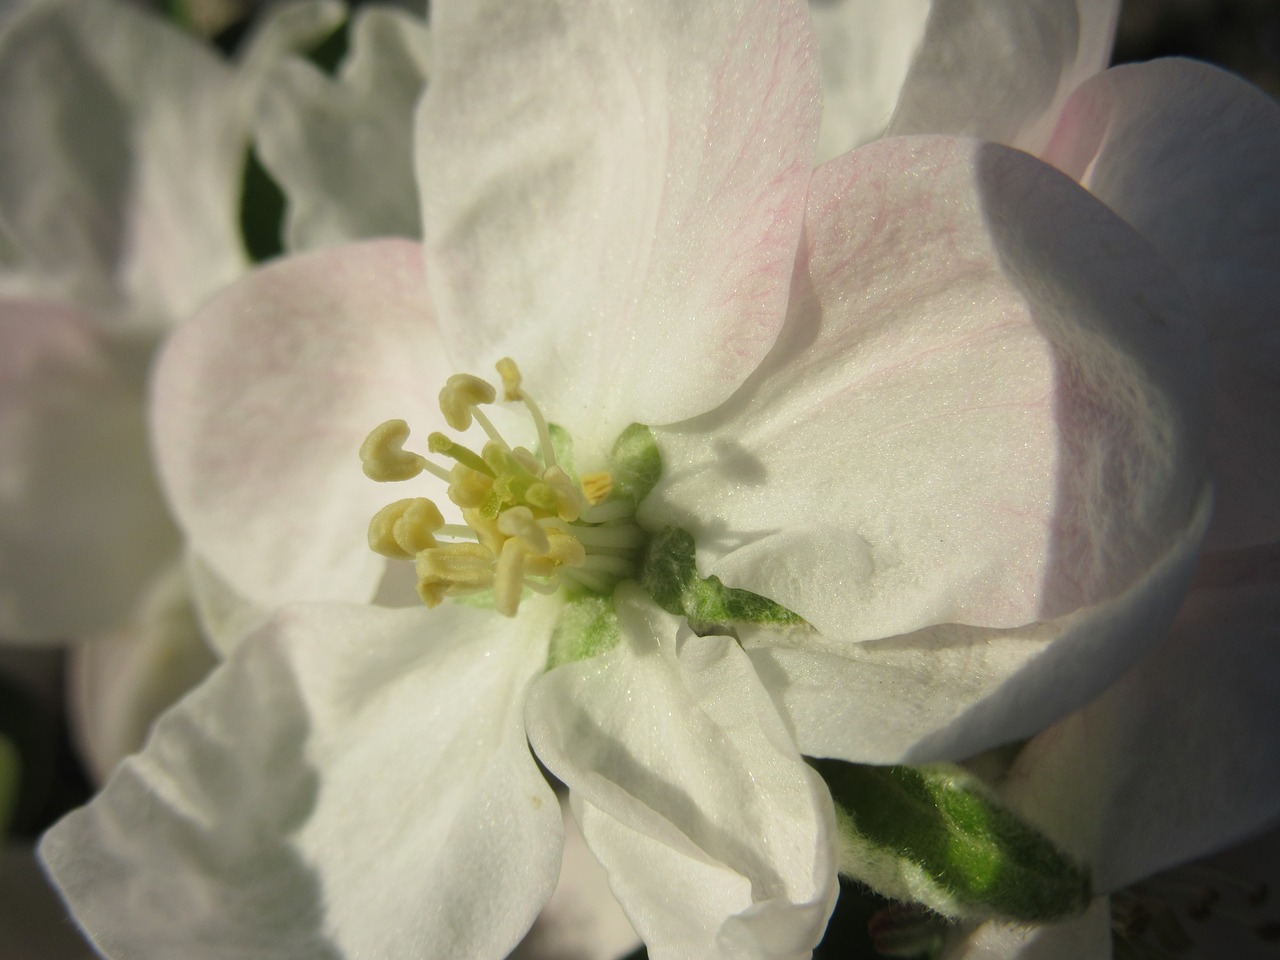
x=528 y=521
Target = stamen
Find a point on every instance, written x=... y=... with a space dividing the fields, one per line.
x=439 y=443
x=461 y=394
x=567 y=502
x=509 y=579
x=469 y=488
x=465 y=565
x=511 y=390
x=383 y=455
x=385 y=532
x=597 y=486
x=526 y=523
x=518 y=523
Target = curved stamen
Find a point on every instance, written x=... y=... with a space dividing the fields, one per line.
x=527 y=523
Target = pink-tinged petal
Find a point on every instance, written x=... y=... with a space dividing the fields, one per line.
x=121 y=680
x=262 y=402
x=1187 y=154
x=1001 y=70
x=1180 y=757
x=981 y=433
x=987 y=408
x=353 y=782
x=82 y=524
x=718 y=838
x=951 y=690
x=342 y=148
x=1087 y=937
x=865 y=47
x=121 y=181
x=612 y=194
x=224 y=615
x=582 y=920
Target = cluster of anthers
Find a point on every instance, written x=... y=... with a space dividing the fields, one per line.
x=527 y=523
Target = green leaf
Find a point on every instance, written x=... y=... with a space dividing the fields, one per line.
x=669 y=572
x=635 y=462
x=935 y=835
x=588 y=626
x=10 y=765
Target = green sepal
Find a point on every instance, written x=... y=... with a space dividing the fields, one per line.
x=562 y=447
x=935 y=835
x=669 y=572
x=635 y=462
x=10 y=771
x=588 y=626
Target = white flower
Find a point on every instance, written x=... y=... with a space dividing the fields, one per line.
x=1174 y=761
x=119 y=212
x=933 y=397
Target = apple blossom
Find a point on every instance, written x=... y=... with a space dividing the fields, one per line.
x=1184 y=153
x=930 y=418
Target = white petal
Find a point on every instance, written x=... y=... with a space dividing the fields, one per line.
x=120 y=681
x=1000 y=70
x=83 y=527
x=352 y=783
x=612 y=195
x=1186 y=153
x=261 y=404
x=988 y=407
x=582 y=920
x=121 y=181
x=949 y=691
x=987 y=412
x=226 y=616
x=281 y=31
x=718 y=838
x=1180 y=757
x=1087 y=937
x=342 y=148
x=865 y=47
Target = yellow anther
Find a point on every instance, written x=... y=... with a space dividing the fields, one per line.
x=527 y=460
x=461 y=393
x=597 y=486
x=382 y=531
x=486 y=529
x=468 y=488
x=510 y=374
x=565 y=550
x=568 y=507
x=468 y=566
x=508 y=580
x=530 y=520
x=384 y=457
x=413 y=531
x=402 y=529
x=432 y=593
x=518 y=523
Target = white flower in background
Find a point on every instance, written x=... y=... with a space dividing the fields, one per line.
x=124 y=143
x=341 y=147
x=1176 y=760
x=934 y=398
